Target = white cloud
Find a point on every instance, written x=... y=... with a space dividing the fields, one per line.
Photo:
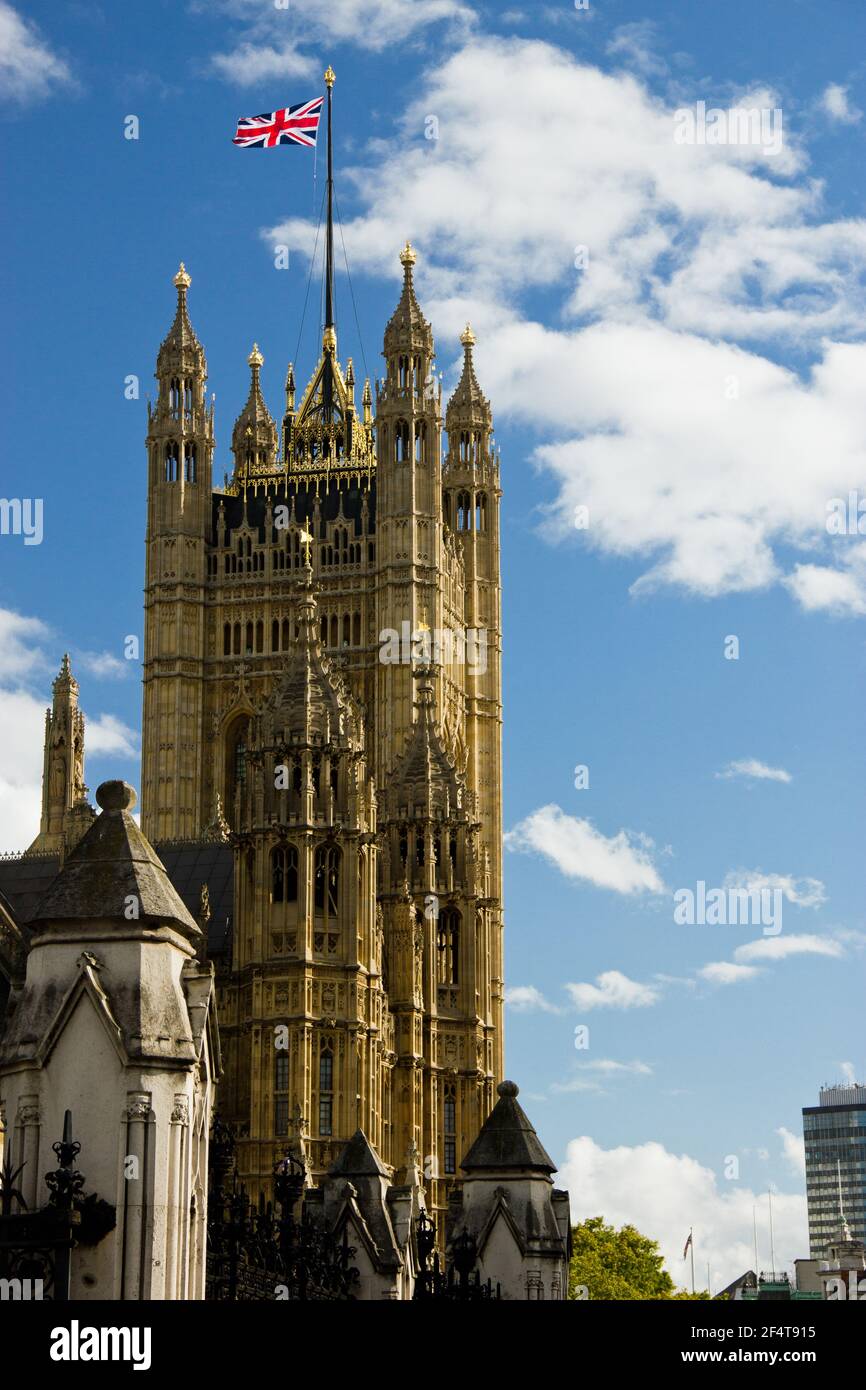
x=634 y=45
x=28 y=66
x=25 y=693
x=613 y=990
x=781 y=947
x=621 y=862
x=663 y=1194
x=269 y=48
x=717 y=461
x=753 y=768
x=108 y=735
x=103 y=665
x=724 y=972
x=794 y=1150
x=20 y=639
x=838 y=590
x=251 y=63
x=801 y=892
x=528 y=999
x=611 y=1068
x=835 y=104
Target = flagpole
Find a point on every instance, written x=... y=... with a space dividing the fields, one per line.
x=329 y=340
x=772 y=1246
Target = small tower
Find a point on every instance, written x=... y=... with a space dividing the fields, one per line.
x=115 y=1022
x=66 y=813
x=471 y=493
x=312 y=1029
x=411 y=584
x=254 y=437
x=437 y=926
x=180 y=445
x=507 y=1209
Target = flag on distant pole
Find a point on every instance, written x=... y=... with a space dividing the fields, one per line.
x=687 y=1245
x=291 y=125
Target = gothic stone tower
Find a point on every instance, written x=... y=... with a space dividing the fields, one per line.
x=322 y=669
x=66 y=813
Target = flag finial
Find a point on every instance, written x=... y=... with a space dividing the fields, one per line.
x=467 y=337
x=330 y=76
x=407 y=255
x=182 y=279
x=255 y=358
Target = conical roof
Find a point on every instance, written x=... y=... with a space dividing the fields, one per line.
x=468 y=405
x=507 y=1140
x=181 y=349
x=425 y=775
x=112 y=872
x=407 y=328
x=255 y=430
x=310 y=702
x=358 y=1160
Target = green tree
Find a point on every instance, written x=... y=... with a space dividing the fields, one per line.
x=618 y=1265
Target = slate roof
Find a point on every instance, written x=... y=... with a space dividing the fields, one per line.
x=112 y=863
x=188 y=865
x=507 y=1140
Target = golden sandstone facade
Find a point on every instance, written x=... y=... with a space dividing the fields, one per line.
x=322 y=680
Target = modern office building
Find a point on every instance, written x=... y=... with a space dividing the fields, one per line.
x=835 y=1136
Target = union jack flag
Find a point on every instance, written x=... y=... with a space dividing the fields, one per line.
x=293 y=125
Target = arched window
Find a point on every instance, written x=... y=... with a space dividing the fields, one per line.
x=402 y=372
x=171 y=463
x=449 y=1127
x=260 y=636
x=275 y=635
x=446 y=506
x=323 y=632
x=236 y=639
x=236 y=760
x=174 y=397
x=448 y=946
x=284 y=874
x=326 y=1090
x=287 y=634
x=464 y=511
x=189 y=463
x=420 y=441
x=281 y=1097
x=356 y=630
x=347 y=629
x=227 y=639
x=335 y=631
x=401 y=441
x=326 y=886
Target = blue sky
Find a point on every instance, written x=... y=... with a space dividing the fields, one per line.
x=698 y=383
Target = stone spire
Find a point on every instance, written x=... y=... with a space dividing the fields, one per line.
x=425 y=776
x=181 y=350
x=408 y=330
x=468 y=407
x=254 y=437
x=66 y=813
x=310 y=703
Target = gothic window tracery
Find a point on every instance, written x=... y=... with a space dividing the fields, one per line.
x=464 y=511
x=284 y=874
x=448 y=946
x=326 y=1091
x=171 y=462
x=326 y=888
x=449 y=1125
